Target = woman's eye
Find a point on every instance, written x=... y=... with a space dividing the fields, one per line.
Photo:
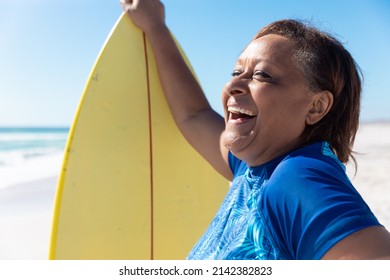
x=236 y=73
x=262 y=74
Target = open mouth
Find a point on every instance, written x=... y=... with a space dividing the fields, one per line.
x=236 y=113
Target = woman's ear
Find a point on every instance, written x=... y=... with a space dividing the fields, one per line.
x=321 y=105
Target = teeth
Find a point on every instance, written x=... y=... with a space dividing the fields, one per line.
x=237 y=110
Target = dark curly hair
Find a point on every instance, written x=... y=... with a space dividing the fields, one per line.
x=326 y=65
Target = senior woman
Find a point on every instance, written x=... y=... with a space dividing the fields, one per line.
x=291 y=115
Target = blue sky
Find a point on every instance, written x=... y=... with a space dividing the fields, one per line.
x=48 y=47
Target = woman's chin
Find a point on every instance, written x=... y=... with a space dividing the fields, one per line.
x=236 y=142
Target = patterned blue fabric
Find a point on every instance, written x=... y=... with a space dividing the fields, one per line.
x=296 y=206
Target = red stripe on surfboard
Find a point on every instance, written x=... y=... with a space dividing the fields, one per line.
x=150 y=152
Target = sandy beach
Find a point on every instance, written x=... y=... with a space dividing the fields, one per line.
x=373 y=173
x=26 y=209
x=25 y=219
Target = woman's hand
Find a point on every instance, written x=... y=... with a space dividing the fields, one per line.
x=149 y=15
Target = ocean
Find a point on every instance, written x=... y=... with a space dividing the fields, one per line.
x=28 y=154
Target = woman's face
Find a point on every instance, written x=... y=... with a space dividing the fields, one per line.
x=266 y=102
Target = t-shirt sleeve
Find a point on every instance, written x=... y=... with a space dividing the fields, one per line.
x=310 y=206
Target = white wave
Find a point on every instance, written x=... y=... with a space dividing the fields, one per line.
x=30 y=154
x=30 y=169
x=18 y=156
x=32 y=136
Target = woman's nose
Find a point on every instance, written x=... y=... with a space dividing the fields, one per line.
x=237 y=86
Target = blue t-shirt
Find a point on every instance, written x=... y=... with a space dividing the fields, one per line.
x=296 y=206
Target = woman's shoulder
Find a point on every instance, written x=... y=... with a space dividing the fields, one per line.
x=310 y=170
x=309 y=200
x=313 y=160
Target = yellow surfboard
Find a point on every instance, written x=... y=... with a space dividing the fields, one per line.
x=130 y=187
